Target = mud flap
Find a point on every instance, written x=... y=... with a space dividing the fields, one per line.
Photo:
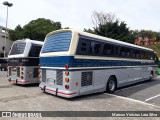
x=9 y=79
x=16 y=81
x=44 y=89
x=56 y=91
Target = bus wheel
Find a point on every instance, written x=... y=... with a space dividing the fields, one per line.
x=151 y=76
x=111 y=85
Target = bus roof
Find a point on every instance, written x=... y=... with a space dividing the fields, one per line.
x=25 y=50
x=29 y=40
x=99 y=37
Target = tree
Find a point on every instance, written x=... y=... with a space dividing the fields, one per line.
x=35 y=29
x=100 y=18
x=107 y=25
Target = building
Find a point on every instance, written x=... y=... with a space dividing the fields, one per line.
x=146 y=41
x=2 y=41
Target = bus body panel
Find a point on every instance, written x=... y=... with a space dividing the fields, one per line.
x=89 y=71
x=99 y=80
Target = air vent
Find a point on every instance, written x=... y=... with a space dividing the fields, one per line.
x=86 y=79
x=59 y=79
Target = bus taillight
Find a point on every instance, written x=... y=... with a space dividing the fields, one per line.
x=39 y=70
x=21 y=73
x=67 y=80
x=67 y=86
x=21 y=77
x=66 y=73
x=39 y=76
x=66 y=66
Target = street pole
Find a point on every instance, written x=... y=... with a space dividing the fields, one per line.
x=6 y=3
x=6 y=34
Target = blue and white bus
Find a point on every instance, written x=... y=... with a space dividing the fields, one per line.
x=76 y=63
x=23 y=61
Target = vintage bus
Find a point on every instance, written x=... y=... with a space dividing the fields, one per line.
x=23 y=61
x=77 y=63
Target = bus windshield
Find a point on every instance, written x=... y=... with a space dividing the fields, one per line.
x=18 y=48
x=57 y=42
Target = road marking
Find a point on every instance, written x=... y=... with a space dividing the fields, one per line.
x=152 y=97
x=134 y=100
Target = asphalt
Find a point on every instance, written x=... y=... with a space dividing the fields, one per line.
x=147 y=91
x=31 y=98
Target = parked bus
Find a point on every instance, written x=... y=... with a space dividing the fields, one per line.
x=3 y=64
x=23 y=61
x=158 y=69
x=77 y=63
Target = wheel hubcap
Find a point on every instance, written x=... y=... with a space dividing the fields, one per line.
x=111 y=85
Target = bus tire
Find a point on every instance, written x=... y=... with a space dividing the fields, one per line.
x=151 y=76
x=111 y=85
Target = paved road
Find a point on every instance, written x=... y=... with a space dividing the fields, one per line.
x=31 y=98
x=148 y=91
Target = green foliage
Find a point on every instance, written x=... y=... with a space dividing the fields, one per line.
x=89 y=30
x=35 y=30
x=148 y=33
x=156 y=48
x=106 y=25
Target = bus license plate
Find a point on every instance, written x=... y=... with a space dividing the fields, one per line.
x=50 y=81
x=14 y=73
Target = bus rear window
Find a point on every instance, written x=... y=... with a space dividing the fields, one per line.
x=18 y=48
x=57 y=42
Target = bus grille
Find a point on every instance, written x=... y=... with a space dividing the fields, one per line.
x=59 y=79
x=43 y=75
x=18 y=71
x=86 y=79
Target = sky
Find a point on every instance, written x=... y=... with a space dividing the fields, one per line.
x=137 y=14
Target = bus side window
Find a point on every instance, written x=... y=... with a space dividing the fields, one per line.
x=136 y=54
x=35 y=50
x=83 y=46
x=108 y=49
x=95 y=48
x=116 y=50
